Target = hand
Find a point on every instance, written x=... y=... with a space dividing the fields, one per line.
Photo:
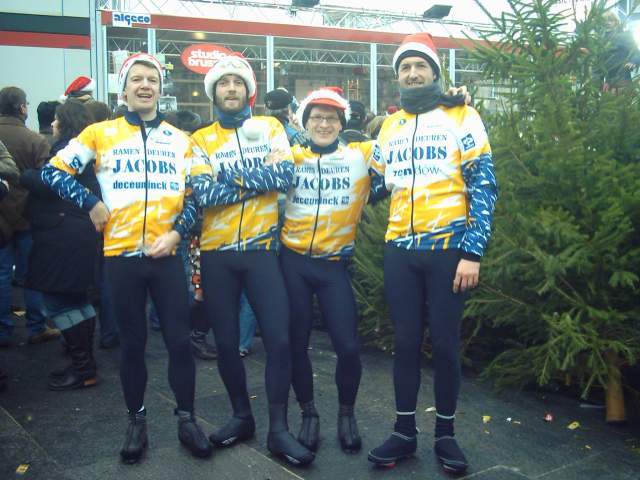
x=467 y=275
x=460 y=91
x=99 y=215
x=164 y=245
x=275 y=156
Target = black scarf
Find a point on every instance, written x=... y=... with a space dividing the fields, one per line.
x=425 y=99
x=323 y=150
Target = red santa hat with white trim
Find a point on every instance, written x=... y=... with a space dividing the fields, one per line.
x=131 y=61
x=418 y=45
x=234 y=64
x=79 y=87
x=328 y=97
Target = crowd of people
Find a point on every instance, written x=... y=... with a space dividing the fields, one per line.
x=201 y=222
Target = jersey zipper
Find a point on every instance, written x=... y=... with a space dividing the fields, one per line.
x=413 y=181
x=143 y=131
x=315 y=226
x=243 y=201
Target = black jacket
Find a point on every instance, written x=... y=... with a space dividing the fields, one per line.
x=66 y=247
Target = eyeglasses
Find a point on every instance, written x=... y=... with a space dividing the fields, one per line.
x=320 y=118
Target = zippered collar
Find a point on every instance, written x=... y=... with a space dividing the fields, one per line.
x=133 y=118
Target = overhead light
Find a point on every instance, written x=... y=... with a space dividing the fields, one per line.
x=304 y=3
x=437 y=11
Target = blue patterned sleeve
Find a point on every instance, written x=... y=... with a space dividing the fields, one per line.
x=482 y=187
x=266 y=178
x=209 y=193
x=187 y=218
x=378 y=190
x=68 y=188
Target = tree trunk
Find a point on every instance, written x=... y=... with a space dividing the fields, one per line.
x=615 y=396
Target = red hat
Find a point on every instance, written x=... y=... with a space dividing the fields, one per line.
x=131 y=61
x=80 y=86
x=417 y=45
x=338 y=90
x=391 y=109
x=328 y=97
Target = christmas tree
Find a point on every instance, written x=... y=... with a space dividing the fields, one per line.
x=562 y=270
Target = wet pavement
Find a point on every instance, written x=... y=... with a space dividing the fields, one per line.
x=77 y=435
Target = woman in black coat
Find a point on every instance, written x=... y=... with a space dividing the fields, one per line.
x=64 y=255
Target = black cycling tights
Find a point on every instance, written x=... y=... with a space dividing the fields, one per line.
x=224 y=274
x=330 y=281
x=130 y=278
x=414 y=281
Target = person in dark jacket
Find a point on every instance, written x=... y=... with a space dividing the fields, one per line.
x=353 y=132
x=29 y=150
x=622 y=57
x=8 y=170
x=46 y=115
x=62 y=273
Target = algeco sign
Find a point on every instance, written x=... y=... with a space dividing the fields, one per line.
x=201 y=57
x=126 y=19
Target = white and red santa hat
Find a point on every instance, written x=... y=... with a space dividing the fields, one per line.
x=80 y=86
x=328 y=97
x=418 y=45
x=234 y=64
x=131 y=61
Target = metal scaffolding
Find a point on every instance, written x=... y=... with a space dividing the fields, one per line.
x=330 y=16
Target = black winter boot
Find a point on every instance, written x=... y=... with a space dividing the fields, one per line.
x=135 y=441
x=201 y=349
x=394 y=448
x=241 y=427
x=191 y=435
x=92 y=333
x=348 y=430
x=60 y=372
x=281 y=443
x=450 y=455
x=82 y=371
x=310 y=426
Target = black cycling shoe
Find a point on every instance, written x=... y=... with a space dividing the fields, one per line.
x=348 y=434
x=191 y=435
x=396 y=447
x=281 y=443
x=450 y=455
x=135 y=442
x=310 y=426
x=236 y=430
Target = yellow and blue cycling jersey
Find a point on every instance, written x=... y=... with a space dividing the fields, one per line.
x=439 y=169
x=326 y=198
x=144 y=175
x=237 y=189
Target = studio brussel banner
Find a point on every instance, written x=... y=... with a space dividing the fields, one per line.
x=201 y=57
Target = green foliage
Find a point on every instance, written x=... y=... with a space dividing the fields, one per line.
x=561 y=272
x=368 y=280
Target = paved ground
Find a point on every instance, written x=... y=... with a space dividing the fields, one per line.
x=77 y=435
